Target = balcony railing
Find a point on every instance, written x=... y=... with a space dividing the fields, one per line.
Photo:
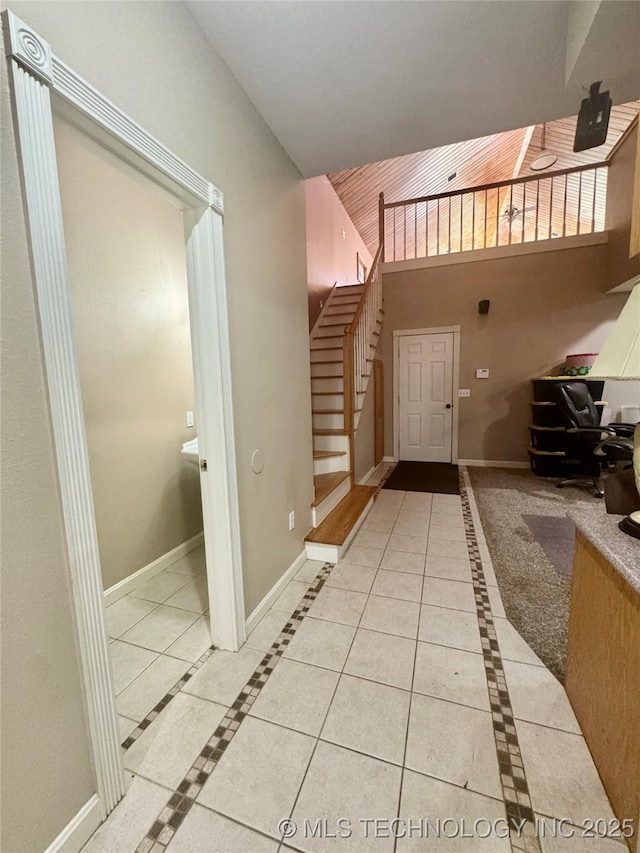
x=523 y=210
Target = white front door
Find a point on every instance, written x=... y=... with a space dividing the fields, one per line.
x=425 y=397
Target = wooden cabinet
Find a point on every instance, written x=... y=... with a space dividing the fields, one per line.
x=603 y=675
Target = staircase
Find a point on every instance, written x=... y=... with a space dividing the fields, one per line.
x=342 y=346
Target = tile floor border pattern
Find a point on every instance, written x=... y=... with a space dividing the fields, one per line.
x=159 y=707
x=380 y=485
x=515 y=789
x=183 y=798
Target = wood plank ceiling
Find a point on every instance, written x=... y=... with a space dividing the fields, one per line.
x=560 y=135
x=498 y=157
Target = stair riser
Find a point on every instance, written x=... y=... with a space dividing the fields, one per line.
x=327 y=385
x=348 y=290
x=334 y=553
x=320 y=512
x=329 y=331
x=329 y=464
x=344 y=303
x=332 y=442
x=338 y=315
x=333 y=369
x=328 y=421
x=332 y=355
x=323 y=401
x=328 y=343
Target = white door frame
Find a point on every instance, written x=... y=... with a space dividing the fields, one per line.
x=435 y=330
x=40 y=83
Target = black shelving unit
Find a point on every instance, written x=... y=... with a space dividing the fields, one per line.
x=548 y=439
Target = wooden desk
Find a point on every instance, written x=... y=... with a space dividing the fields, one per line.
x=603 y=658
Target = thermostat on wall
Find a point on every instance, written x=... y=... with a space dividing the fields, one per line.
x=482 y=373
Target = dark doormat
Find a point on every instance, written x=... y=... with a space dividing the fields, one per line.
x=439 y=477
x=556 y=536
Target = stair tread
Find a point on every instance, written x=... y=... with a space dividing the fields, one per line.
x=327 y=411
x=327 y=454
x=326 y=393
x=324 y=484
x=328 y=376
x=337 y=526
x=327 y=431
x=329 y=361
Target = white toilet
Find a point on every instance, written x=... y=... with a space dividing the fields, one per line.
x=190 y=451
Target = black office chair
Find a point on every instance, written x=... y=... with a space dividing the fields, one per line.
x=586 y=444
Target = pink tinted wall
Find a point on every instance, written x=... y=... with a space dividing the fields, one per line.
x=330 y=256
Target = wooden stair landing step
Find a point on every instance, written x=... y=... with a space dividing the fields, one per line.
x=336 y=527
x=324 y=484
x=327 y=454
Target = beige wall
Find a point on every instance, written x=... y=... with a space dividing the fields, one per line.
x=618 y=220
x=331 y=257
x=543 y=306
x=125 y=250
x=152 y=60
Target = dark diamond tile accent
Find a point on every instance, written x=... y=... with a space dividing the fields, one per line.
x=162 y=831
x=162 y=704
x=512 y=776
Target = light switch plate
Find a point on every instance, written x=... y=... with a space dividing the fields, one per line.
x=464 y=392
x=190 y=421
x=482 y=373
x=292 y=520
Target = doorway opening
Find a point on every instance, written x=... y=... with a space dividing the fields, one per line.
x=129 y=294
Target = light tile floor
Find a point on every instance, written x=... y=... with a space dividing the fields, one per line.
x=156 y=633
x=378 y=708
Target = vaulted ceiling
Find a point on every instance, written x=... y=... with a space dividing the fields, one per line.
x=478 y=161
x=342 y=83
x=560 y=135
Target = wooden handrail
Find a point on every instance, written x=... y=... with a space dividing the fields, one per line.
x=356 y=316
x=496 y=185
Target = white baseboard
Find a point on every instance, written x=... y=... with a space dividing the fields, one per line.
x=124 y=587
x=79 y=829
x=389 y=459
x=256 y=615
x=492 y=463
x=369 y=473
x=373 y=471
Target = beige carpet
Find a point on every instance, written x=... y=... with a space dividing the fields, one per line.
x=535 y=596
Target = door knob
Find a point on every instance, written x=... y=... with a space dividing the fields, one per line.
x=448 y=406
